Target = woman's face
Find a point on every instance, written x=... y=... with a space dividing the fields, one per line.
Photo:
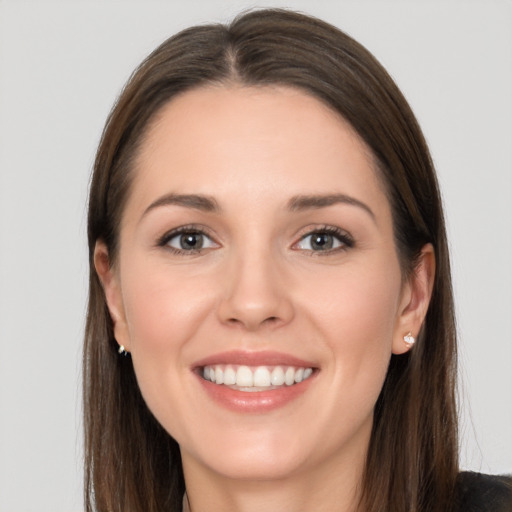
x=256 y=248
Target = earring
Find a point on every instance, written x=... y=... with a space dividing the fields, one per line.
x=122 y=350
x=409 y=340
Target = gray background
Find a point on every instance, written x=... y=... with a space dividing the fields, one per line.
x=62 y=64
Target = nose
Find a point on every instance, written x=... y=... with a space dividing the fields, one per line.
x=255 y=293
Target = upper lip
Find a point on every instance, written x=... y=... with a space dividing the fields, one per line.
x=250 y=358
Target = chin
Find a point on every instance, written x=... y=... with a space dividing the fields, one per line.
x=263 y=468
x=260 y=456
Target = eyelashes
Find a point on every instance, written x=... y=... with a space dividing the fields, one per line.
x=326 y=239
x=187 y=240
x=318 y=240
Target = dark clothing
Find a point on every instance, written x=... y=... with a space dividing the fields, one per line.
x=483 y=493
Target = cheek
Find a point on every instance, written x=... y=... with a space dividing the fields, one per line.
x=361 y=301
x=356 y=315
x=162 y=311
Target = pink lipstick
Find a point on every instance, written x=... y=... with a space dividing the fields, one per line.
x=254 y=382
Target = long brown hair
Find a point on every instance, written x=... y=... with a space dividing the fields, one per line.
x=131 y=463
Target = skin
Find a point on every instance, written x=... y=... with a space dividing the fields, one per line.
x=258 y=285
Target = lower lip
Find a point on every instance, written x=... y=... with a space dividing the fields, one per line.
x=254 y=401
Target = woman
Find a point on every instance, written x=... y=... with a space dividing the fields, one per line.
x=270 y=317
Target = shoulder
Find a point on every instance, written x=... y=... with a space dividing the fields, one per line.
x=483 y=493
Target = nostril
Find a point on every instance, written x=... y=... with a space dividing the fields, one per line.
x=268 y=320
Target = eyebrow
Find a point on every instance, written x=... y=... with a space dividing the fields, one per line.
x=195 y=201
x=295 y=204
x=311 y=202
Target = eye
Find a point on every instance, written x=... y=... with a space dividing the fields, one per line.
x=325 y=240
x=187 y=241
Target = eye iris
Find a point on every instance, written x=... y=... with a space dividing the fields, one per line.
x=321 y=241
x=191 y=240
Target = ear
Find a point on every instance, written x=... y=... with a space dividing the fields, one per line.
x=415 y=300
x=113 y=294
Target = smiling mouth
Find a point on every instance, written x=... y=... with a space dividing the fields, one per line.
x=255 y=378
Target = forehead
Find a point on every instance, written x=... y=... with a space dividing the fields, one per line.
x=252 y=142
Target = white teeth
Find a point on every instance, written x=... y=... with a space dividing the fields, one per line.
x=277 y=376
x=259 y=378
x=289 y=376
x=244 y=377
x=229 y=376
x=262 y=377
